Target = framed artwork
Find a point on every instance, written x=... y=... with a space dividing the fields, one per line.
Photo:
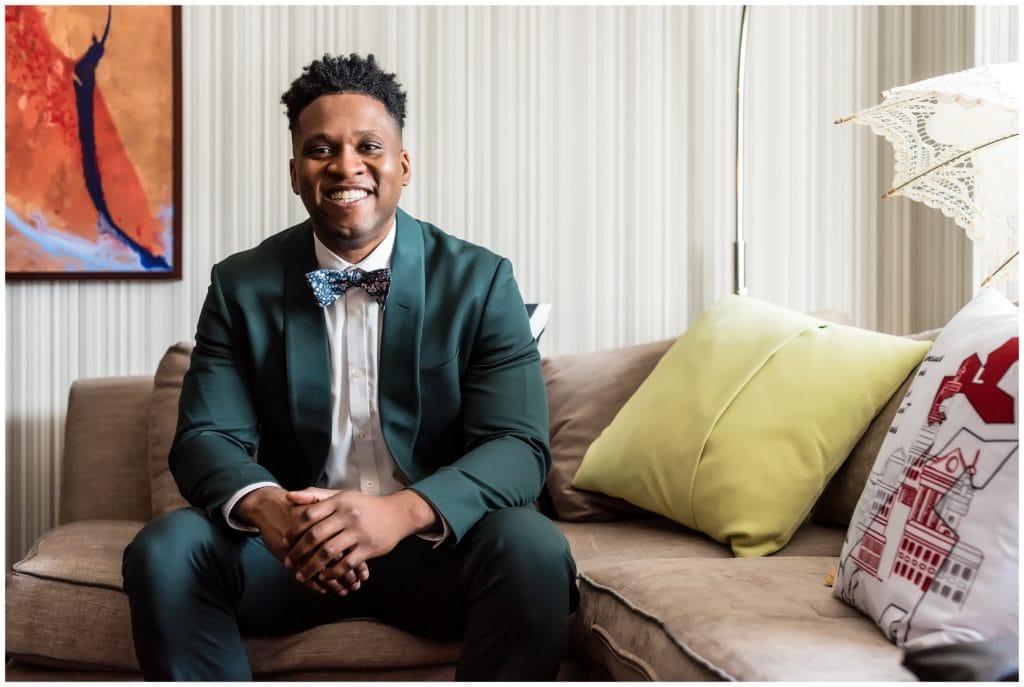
x=93 y=159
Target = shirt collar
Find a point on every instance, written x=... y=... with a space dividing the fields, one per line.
x=376 y=260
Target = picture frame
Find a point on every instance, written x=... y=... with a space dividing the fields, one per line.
x=93 y=143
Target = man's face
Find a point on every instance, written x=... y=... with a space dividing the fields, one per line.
x=349 y=168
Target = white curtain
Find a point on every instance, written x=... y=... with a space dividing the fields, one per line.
x=594 y=146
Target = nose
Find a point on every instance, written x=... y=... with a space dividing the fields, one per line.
x=347 y=163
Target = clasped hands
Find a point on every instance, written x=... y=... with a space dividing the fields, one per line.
x=326 y=536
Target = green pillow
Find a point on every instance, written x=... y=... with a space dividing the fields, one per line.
x=740 y=425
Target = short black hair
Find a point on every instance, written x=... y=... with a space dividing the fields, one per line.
x=352 y=74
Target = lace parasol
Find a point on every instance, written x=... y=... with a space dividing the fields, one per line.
x=955 y=139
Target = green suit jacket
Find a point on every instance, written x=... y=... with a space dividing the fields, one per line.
x=462 y=401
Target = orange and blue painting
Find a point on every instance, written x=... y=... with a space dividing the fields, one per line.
x=91 y=139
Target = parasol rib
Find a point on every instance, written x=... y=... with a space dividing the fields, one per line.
x=999 y=269
x=879 y=106
x=896 y=190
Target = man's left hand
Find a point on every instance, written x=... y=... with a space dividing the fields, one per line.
x=340 y=530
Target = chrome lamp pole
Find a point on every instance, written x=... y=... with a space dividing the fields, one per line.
x=739 y=245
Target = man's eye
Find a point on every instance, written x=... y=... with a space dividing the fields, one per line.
x=320 y=151
x=372 y=147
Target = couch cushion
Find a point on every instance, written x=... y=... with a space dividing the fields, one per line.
x=835 y=505
x=599 y=543
x=163 y=418
x=363 y=645
x=761 y=619
x=585 y=391
x=64 y=599
x=103 y=471
x=87 y=552
x=65 y=608
x=736 y=432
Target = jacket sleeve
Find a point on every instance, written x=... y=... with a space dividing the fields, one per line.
x=212 y=455
x=505 y=417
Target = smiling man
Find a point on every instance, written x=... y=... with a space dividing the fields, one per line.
x=387 y=374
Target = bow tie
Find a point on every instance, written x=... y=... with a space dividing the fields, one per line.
x=327 y=285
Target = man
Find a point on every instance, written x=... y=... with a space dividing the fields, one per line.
x=400 y=417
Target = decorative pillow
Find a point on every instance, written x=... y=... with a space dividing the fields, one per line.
x=931 y=552
x=836 y=505
x=739 y=427
x=585 y=391
x=163 y=418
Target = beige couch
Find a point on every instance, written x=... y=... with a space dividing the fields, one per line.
x=658 y=601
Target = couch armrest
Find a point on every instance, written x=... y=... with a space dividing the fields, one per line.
x=105 y=470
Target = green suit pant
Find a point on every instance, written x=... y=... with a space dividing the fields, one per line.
x=196 y=587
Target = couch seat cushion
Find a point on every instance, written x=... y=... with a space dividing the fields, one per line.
x=760 y=619
x=65 y=608
x=599 y=543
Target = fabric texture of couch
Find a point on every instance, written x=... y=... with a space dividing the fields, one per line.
x=658 y=601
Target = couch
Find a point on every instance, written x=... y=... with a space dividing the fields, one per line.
x=658 y=601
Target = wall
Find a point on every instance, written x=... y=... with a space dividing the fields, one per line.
x=592 y=146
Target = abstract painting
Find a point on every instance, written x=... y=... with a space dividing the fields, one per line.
x=93 y=173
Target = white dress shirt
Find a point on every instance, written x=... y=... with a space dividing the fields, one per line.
x=359 y=458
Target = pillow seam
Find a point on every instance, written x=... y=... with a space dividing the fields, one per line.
x=714 y=425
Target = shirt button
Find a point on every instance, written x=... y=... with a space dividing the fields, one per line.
x=357 y=374
x=353 y=311
x=362 y=434
x=369 y=484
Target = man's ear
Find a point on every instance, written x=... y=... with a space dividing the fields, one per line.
x=294 y=175
x=406 y=168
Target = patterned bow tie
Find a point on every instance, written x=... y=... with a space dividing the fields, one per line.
x=327 y=285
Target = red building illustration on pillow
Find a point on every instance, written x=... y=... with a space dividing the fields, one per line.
x=908 y=534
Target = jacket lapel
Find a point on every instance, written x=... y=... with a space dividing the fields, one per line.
x=307 y=355
x=399 y=392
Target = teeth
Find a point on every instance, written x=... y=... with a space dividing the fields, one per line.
x=348 y=195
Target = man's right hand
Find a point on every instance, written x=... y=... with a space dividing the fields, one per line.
x=269 y=510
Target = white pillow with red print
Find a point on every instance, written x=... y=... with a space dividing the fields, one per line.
x=931 y=551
